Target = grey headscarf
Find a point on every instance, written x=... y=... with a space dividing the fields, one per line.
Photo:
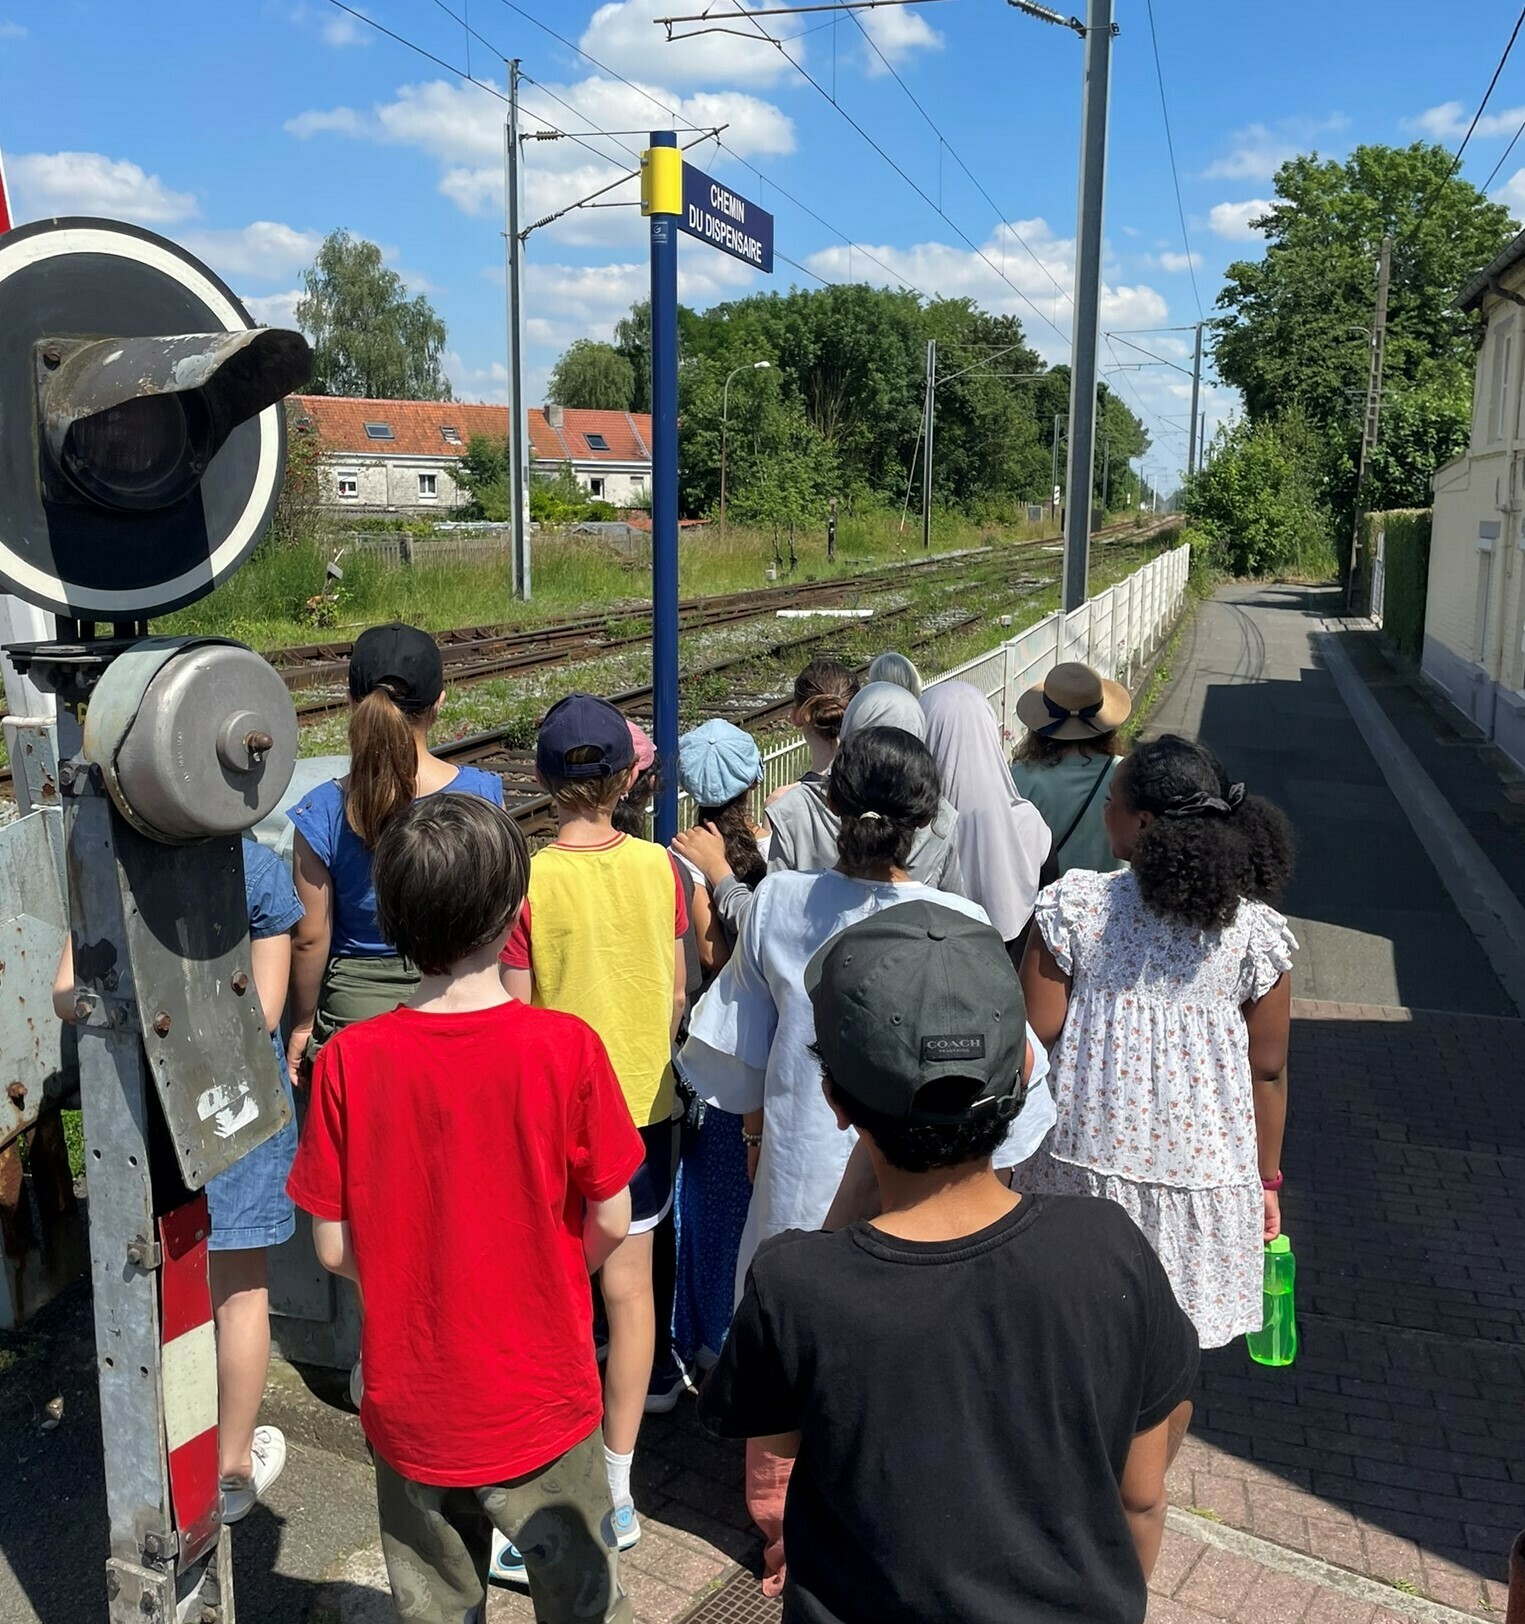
x=884 y=704
x=1002 y=838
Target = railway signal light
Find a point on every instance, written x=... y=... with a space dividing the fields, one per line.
x=142 y=446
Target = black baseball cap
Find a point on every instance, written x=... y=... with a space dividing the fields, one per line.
x=915 y=994
x=400 y=658
x=583 y=722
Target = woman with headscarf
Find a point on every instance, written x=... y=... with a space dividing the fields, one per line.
x=1002 y=839
x=805 y=825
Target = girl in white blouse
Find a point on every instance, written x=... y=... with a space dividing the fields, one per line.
x=1164 y=994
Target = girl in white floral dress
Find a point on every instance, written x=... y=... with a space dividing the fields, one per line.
x=1163 y=992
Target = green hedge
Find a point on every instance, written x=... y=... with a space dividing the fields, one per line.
x=1406 y=568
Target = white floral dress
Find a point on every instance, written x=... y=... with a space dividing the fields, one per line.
x=1151 y=1078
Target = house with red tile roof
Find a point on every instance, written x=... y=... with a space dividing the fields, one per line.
x=398 y=456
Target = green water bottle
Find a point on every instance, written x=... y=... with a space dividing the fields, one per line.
x=1275 y=1343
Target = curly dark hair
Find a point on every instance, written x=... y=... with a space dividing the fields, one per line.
x=922 y=1147
x=884 y=787
x=1038 y=750
x=1196 y=869
x=734 y=821
x=631 y=813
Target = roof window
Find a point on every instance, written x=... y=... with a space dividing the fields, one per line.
x=596 y=442
x=379 y=431
x=450 y=434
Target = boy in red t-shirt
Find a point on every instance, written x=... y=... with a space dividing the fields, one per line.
x=467 y=1160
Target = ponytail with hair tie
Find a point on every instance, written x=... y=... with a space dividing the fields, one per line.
x=1201 y=804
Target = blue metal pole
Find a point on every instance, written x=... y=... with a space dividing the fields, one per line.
x=664 y=503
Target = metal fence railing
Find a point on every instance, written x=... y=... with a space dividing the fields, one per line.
x=1115 y=633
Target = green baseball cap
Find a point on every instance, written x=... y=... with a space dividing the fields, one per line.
x=915 y=994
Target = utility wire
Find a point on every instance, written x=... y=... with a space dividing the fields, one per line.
x=670 y=112
x=953 y=153
x=1170 y=147
x=920 y=191
x=1505 y=159
x=1150 y=353
x=1434 y=196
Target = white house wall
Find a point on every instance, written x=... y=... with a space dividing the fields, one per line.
x=1474 y=631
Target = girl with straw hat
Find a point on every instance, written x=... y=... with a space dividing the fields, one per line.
x=1065 y=762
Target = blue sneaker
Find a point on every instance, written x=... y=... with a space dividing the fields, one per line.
x=507 y=1566
x=623 y=1527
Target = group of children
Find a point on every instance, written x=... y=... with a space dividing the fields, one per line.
x=779 y=1099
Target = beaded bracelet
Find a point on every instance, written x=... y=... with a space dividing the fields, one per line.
x=1265 y=1184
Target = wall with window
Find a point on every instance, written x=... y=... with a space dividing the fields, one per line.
x=623 y=484
x=391 y=485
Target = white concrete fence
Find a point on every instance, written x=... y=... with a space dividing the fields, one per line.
x=1115 y=633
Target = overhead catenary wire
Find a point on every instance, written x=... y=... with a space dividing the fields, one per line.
x=1160 y=359
x=920 y=191
x=1170 y=148
x=670 y=112
x=1482 y=107
x=945 y=143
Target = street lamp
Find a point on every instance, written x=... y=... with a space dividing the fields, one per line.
x=725 y=412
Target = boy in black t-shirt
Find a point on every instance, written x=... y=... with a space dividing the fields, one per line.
x=983 y=1388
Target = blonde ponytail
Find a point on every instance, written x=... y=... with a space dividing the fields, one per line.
x=383 y=770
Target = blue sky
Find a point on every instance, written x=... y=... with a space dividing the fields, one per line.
x=248 y=131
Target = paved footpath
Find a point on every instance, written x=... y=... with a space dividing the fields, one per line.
x=1379 y=1479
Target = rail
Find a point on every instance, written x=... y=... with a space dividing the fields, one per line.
x=1115 y=633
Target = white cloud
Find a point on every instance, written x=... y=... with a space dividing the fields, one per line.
x=273 y=309
x=485 y=383
x=1259 y=150
x=899 y=33
x=266 y=249
x=342 y=31
x=1451 y=119
x=1175 y=263
x=1512 y=194
x=50 y=183
x=462 y=128
x=10 y=30
x=1044 y=277
x=1232 y=220
x=624 y=35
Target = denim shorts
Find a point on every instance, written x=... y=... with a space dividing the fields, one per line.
x=248 y=1204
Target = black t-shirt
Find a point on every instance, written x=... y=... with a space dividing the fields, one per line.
x=966 y=1408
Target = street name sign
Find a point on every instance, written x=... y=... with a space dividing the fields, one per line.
x=715 y=214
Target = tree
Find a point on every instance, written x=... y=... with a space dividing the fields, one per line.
x=483 y=472
x=595 y=376
x=368 y=338
x=1262 y=499
x=1294 y=332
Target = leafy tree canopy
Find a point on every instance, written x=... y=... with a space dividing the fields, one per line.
x=594 y=376
x=368 y=338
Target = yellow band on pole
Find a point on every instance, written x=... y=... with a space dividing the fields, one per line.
x=662 y=181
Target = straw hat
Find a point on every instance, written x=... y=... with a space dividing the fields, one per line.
x=1074 y=702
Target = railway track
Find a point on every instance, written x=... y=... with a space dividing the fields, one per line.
x=474 y=654
x=479 y=653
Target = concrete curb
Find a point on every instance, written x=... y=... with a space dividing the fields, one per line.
x=1279 y=1559
x=1479 y=892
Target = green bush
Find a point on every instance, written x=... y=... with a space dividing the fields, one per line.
x=1263 y=502
x=1406 y=572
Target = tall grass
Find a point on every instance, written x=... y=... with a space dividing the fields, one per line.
x=266 y=603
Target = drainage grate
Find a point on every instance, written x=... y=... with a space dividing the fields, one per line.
x=738 y=1601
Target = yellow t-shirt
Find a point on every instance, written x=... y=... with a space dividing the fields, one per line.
x=597 y=933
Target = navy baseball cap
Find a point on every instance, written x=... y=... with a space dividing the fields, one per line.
x=589 y=727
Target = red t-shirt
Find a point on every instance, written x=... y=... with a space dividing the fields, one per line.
x=460 y=1148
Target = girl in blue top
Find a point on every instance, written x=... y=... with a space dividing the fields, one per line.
x=343 y=969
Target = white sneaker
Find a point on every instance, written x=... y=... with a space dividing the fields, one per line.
x=507 y=1566
x=356 y=1384
x=622 y=1527
x=240 y=1495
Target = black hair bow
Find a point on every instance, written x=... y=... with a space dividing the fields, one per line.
x=1061 y=714
x=1202 y=805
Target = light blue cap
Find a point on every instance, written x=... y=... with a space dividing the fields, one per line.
x=717 y=761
